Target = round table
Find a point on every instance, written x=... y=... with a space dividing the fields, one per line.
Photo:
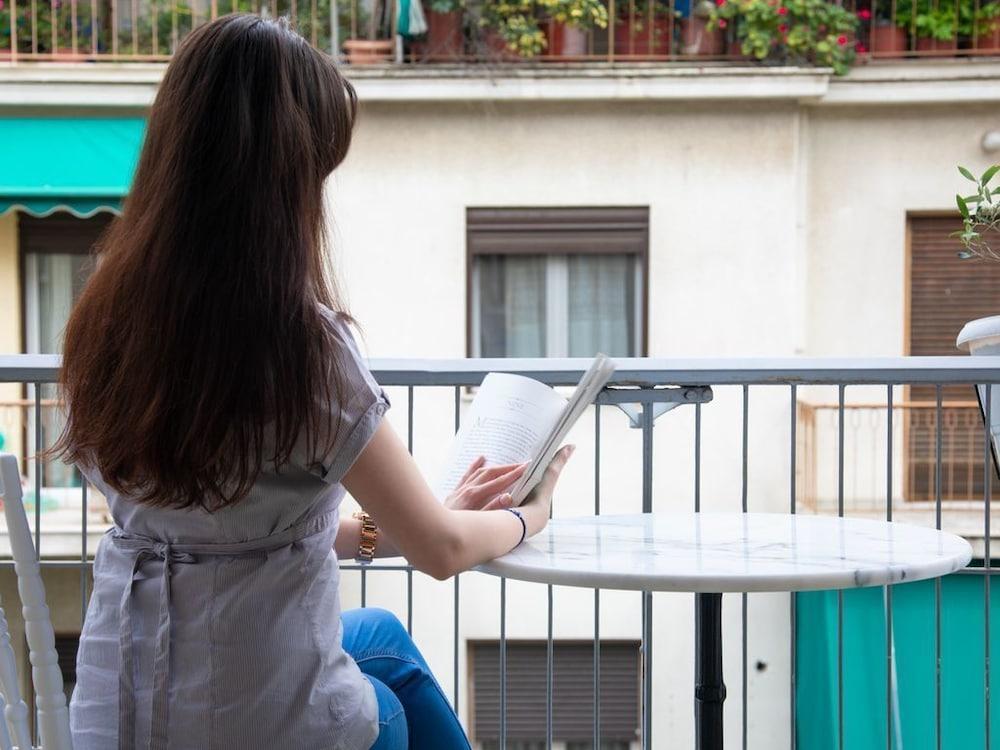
x=714 y=553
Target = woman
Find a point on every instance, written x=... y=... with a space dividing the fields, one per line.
x=217 y=398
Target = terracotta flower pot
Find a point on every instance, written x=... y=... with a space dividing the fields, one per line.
x=887 y=39
x=927 y=44
x=632 y=36
x=734 y=51
x=698 y=40
x=564 y=40
x=368 y=51
x=445 y=36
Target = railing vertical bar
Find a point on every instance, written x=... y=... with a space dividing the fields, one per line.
x=38 y=471
x=697 y=457
x=38 y=531
x=409 y=448
x=647 y=597
x=743 y=596
x=34 y=27
x=83 y=554
x=987 y=563
x=155 y=10
x=364 y=587
x=457 y=597
x=114 y=26
x=597 y=592
x=937 y=581
x=93 y=27
x=503 y=663
x=54 y=26
x=74 y=40
x=887 y=590
x=135 y=27
x=13 y=29
x=548 y=675
x=793 y=428
x=840 y=593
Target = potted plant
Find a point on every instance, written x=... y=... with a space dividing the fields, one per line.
x=445 y=30
x=885 y=36
x=514 y=27
x=980 y=238
x=643 y=28
x=377 y=47
x=986 y=27
x=568 y=22
x=802 y=32
x=697 y=37
x=933 y=23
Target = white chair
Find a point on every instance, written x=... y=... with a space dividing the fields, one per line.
x=53 y=714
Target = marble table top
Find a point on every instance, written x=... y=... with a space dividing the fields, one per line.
x=722 y=552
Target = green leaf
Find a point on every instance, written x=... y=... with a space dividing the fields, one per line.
x=988 y=174
x=962 y=207
x=967 y=174
x=974 y=198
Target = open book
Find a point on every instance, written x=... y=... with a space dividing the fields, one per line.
x=514 y=419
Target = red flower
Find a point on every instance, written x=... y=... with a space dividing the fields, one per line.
x=722 y=23
x=720 y=3
x=783 y=27
x=860 y=48
x=864 y=14
x=782 y=11
x=841 y=40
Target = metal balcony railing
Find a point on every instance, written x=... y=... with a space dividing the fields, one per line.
x=730 y=435
x=613 y=31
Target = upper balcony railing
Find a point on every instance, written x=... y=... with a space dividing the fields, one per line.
x=837 y=33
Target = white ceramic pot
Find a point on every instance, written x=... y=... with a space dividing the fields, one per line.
x=981 y=337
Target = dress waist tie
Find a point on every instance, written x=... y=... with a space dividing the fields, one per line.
x=147 y=548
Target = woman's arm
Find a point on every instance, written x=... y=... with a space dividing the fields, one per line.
x=436 y=540
x=479 y=488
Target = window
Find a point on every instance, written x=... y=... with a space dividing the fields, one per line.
x=945 y=293
x=572 y=694
x=55 y=262
x=557 y=282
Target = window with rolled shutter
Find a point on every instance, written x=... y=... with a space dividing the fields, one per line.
x=572 y=694
x=945 y=293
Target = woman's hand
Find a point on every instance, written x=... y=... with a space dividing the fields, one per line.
x=480 y=487
x=536 y=507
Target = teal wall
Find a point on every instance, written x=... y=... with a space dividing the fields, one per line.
x=865 y=666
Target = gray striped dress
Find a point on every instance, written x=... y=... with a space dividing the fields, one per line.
x=210 y=631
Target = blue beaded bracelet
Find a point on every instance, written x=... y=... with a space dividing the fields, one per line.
x=524 y=526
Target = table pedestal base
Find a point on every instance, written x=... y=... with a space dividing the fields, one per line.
x=709 y=690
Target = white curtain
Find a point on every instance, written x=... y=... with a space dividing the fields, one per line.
x=601 y=301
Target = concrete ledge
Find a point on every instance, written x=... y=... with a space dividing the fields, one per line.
x=133 y=85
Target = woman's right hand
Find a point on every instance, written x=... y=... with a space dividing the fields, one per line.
x=537 y=506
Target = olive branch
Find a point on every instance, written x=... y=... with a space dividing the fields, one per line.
x=980 y=216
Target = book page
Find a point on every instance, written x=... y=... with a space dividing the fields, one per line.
x=593 y=380
x=508 y=422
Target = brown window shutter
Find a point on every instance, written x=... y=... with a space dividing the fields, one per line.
x=945 y=293
x=61 y=232
x=572 y=690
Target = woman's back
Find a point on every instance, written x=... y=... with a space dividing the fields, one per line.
x=237 y=643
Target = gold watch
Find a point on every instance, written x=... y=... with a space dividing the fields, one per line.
x=369 y=536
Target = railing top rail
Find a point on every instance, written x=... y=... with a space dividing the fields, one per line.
x=634 y=371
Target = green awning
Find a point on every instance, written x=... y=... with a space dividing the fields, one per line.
x=81 y=165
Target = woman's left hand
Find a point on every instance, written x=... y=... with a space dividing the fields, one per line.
x=480 y=487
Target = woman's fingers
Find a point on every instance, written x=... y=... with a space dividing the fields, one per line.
x=473 y=467
x=497 y=484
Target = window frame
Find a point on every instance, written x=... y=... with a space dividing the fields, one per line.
x=554 y=231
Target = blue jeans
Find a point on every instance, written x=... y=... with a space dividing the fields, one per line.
x=413 y=712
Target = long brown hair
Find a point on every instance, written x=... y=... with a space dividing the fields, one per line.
x=200 y=348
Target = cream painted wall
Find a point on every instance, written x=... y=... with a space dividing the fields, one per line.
x=10 y=327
